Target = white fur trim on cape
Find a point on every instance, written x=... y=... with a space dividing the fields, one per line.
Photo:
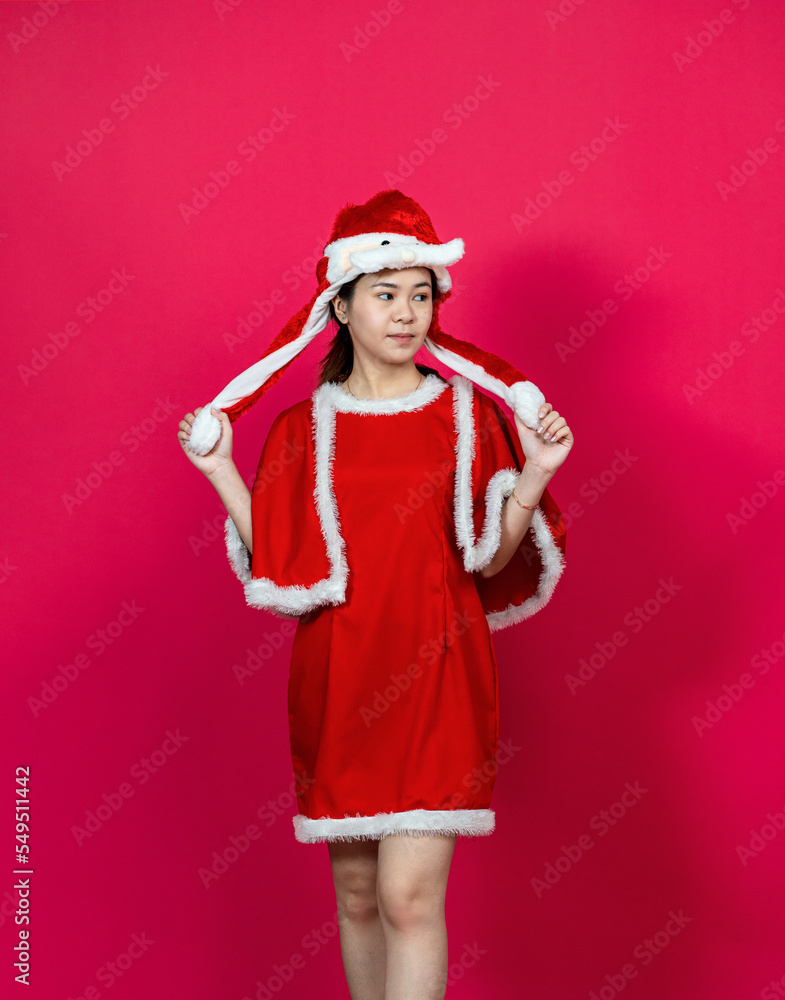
x=477 y=554
x=415 y=822
x=287 y=601
x=429 y=389
x=553 y=564
x=237 y=551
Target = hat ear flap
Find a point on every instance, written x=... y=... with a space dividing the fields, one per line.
x=487 y=370
x=287 y=335
x=249 y=386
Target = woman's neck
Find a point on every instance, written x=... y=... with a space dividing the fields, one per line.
x=375 y=384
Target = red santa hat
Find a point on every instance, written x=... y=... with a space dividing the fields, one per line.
x=389 y=231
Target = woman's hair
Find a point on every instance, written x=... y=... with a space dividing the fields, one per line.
x=336 y=365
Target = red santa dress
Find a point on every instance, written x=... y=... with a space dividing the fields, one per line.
x=371 y=519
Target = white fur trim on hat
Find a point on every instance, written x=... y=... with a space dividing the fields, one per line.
x=364 y=254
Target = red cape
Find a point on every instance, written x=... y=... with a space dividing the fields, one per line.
x=299 y=561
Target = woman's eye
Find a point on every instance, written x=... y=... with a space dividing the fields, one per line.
x=420 y=295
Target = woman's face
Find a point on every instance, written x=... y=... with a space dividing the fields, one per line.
x=390 y=313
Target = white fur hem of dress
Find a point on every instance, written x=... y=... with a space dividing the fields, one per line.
x=294 y=601
x=415 y=822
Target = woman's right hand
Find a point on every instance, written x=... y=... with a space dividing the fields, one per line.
x=221 y=454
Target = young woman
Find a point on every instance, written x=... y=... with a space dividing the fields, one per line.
x=389 y=515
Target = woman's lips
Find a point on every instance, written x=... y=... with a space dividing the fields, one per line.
x=401 y=337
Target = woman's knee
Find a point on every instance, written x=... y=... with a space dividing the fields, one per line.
x=407 y=904
x=354 y=876
x=412 y=879
x=357 y=906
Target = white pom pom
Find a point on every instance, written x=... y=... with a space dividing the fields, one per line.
x=526 y=399
x=205 y=432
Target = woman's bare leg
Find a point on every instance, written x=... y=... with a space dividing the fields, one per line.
x=354 y=866
x=412 y=886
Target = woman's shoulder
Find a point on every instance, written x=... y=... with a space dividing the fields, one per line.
x=288 y=420
x=298 y=410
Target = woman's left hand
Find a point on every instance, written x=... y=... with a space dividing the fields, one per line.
x=549 y=447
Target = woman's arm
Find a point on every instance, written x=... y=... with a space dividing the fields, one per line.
x=236 y=497
x=544 y=449
x=515 y=520
x=220 y=469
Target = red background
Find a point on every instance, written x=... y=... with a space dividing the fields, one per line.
x=361 y=100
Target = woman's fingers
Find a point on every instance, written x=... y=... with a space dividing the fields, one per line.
x=562 y=432
x=184 y=434
x=552 y=425
x=554 y=428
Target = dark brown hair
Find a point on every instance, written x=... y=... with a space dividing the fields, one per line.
x=336 y=365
